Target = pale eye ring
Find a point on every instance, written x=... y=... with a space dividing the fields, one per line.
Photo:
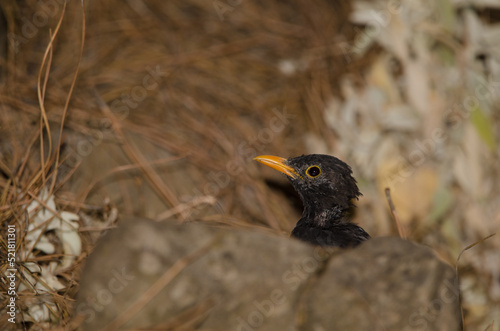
x=313 y=171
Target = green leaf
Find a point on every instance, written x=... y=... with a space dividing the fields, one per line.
x=442 y=202
x=484 y=128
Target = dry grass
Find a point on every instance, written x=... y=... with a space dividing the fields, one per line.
x=168 y=104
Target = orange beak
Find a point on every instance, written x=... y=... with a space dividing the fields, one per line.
x=277 y=163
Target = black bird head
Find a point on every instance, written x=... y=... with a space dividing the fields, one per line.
x=322 y=181
x=326 y=186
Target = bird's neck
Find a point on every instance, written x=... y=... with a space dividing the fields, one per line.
x=323 y=216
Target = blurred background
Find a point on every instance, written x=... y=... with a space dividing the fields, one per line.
x=161 y=109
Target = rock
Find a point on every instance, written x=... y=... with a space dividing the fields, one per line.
x=385 y=284
x=146 y=274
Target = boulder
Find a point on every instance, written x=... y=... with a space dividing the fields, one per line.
x=149 y=274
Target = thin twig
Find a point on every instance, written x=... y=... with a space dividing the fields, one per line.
x=137 y=157
x=470 y=246
x=41 y=88
x=125 y=169
x=400 y=227
x=456 y=268
x=180 y=209
x=68 y=97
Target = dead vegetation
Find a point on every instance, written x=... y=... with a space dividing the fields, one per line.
x=173 y=99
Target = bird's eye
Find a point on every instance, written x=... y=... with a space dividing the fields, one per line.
x=313 y=171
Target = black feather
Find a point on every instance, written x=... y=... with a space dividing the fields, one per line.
x=327 y=200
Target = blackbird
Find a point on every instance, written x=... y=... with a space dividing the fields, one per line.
x=326 y=187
